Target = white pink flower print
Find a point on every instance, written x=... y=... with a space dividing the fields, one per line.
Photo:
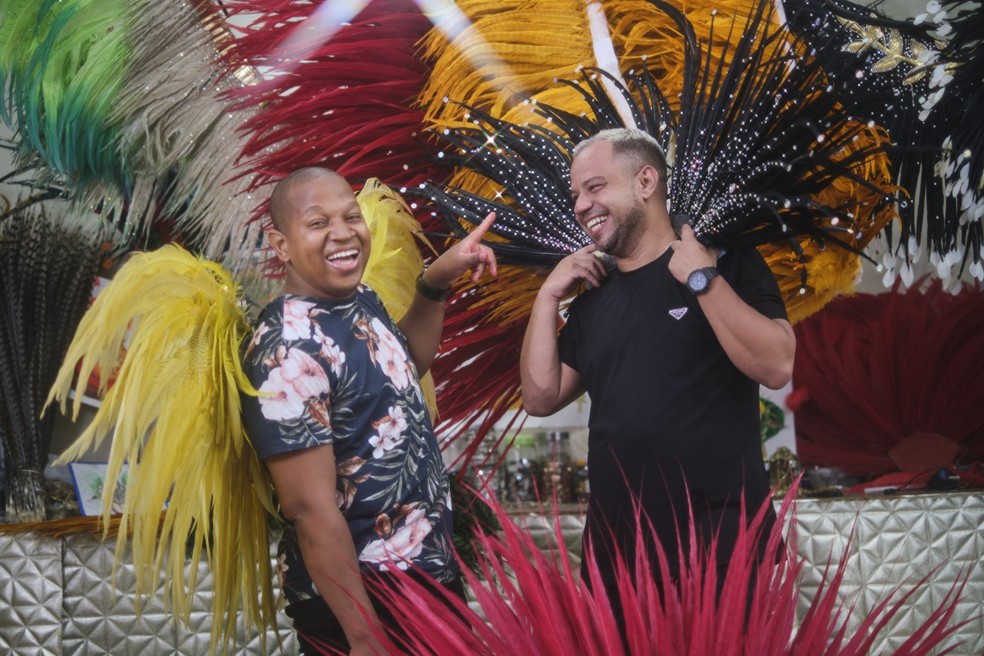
x=297 y=319
x=281 y=569
x=391 y=357
x=403 y=546
x=298 y=379
x=330 y=351
x=258 y=334
x=390 y=430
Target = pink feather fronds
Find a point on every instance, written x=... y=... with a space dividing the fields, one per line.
x=529 y=600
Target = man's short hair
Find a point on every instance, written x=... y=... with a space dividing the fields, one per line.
x=633 y=145
x=280 y=196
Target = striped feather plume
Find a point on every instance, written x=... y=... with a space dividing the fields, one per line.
x=173 y=415
x=47 y=266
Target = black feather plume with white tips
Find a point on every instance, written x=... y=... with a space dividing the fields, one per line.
x=755 y=141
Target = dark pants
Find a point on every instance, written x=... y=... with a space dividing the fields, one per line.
x=662 y=587
x=319 y=632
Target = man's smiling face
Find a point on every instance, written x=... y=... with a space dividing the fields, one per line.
x=323 y=240
x=605 y=200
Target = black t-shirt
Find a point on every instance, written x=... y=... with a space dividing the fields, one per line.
x=671 y=416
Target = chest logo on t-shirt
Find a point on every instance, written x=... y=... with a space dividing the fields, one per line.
x=677 y=313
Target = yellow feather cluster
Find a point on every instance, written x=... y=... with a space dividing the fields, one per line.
x=174 y=417
x=394 y=259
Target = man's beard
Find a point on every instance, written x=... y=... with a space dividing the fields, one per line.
x=617 y=243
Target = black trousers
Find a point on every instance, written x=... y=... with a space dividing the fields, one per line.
x=318 y=628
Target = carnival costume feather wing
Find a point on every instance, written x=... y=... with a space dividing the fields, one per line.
x=761 y=156
x=173 y=415
x=395 y=258
x=754 y=143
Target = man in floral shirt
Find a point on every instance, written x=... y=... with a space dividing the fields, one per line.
x=341 y=422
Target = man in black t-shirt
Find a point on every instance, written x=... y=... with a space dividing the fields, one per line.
x=671 y=346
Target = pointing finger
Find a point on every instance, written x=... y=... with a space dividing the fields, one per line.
x=479 y=232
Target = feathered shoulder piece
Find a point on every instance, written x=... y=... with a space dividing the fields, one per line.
x=395 y=258
x=173 y=415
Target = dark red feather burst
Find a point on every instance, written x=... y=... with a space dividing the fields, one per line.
x=349 y=103
x=882 y=376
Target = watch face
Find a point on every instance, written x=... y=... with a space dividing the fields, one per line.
x=698 y=281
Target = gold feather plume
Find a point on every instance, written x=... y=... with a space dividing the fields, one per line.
x=174 y=417
x=394 y=259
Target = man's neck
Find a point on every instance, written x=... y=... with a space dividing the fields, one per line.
x=650 y=246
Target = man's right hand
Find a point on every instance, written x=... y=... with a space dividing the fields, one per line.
x=583 y=265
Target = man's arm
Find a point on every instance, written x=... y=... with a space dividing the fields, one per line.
x=305 y=485
x=424 y=319
x=547 y=383
x=762 y=348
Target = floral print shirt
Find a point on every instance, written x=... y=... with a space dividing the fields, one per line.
x=339 y=373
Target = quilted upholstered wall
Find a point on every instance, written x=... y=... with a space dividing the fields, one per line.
x=56 y=596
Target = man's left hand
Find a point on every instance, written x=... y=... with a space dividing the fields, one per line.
x=468 y=254
x=689 y=255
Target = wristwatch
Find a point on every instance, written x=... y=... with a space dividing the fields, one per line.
x=700 y=279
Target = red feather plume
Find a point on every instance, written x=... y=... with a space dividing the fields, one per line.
x=890 y=382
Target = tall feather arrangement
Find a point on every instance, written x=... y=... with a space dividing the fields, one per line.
x=174 y=416
x=915 y=78
x=47 y=267
x=531 y=601
x=877 y=374
x=179 y=134
x=761 y=154
x=120 y=104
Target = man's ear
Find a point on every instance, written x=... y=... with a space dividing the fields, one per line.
x=278 y=241
x=648 y=180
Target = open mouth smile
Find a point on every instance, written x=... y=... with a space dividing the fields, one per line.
x=346 y=259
